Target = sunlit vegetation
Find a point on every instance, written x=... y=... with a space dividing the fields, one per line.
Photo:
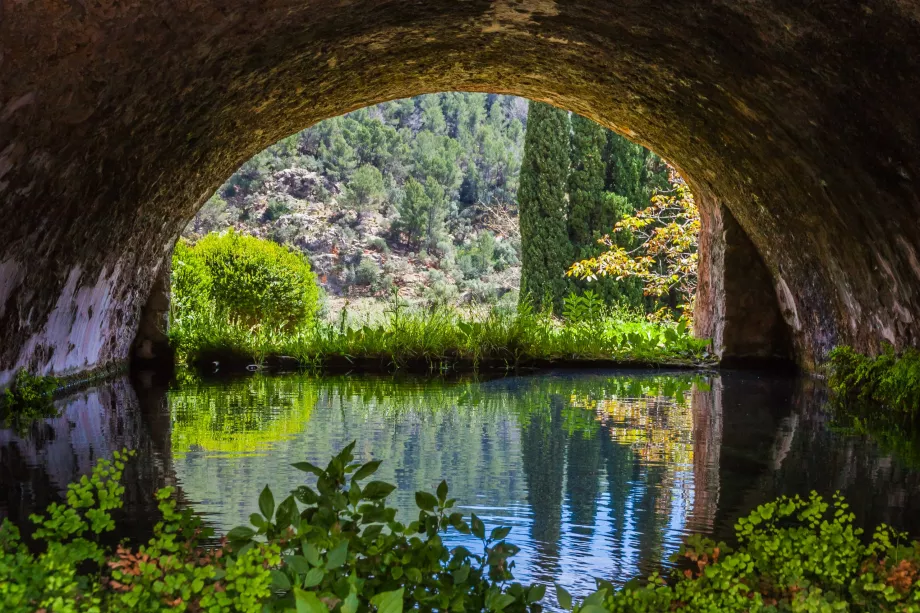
x=660 y=251
x=441 y=339
x=334 y=548
x=333 y=545
x=241 y=278
x=793 y=554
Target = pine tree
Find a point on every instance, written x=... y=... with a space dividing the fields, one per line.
x=413 y=212
x=545 y=249
x=437 y=211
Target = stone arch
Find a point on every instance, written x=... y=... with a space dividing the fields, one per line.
x=118 y=119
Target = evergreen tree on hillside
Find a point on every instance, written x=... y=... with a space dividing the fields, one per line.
x=545 y=249
x=413 y=213
x=437 y=212
x=365 y=191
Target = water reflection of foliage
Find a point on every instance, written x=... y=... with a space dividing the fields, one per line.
x=652 y=416
x=547 y=439
x=240 y=416
x=245 y=415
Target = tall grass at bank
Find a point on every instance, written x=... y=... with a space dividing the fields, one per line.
x=444 y=338
x=242 y=298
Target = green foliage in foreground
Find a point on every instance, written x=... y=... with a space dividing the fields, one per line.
x=336 y=548
x=28 y=398
x=243 y=278
x=448 y=338
x=860 y=384
x=794 y=554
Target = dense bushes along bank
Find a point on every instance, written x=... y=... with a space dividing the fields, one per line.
x=879 y=396
x=241 y=299
x=337 y=548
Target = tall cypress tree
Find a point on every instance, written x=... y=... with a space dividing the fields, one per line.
x=546 y=252
x=586 y=183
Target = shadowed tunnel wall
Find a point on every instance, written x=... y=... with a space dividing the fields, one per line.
x=799 y=120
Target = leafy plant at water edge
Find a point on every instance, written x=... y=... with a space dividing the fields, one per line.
x=334 y=548
x=890 y=379
x=860 y=384
x=794 y=554
x=30 y=397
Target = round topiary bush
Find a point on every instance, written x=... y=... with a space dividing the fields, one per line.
x=249 y=279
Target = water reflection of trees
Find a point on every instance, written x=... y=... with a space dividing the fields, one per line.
x=599 y=474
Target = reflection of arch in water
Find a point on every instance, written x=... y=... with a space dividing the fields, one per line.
x=92 y=424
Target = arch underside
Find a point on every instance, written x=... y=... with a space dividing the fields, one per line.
x=118 y=120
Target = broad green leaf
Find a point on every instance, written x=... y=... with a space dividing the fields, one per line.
x=366 y=471
x=311 y=553
x=350 y=604
x=336 y=557
x=500 y=533
x=280 y=580
x=240 y=533
x=287 y=513
x=306 y=495
x=267 y=503
x=478 y=528
x=442 y=491
x=308 y=602
x=460 y=575
x=596 y=598
x=257 y=520
x=308 y=468
x=536 y=593
x=564 y=598
x=501 y=601
x=389 y=602
x=376 y=490
x=314 y=577
x=298 y=563
x=425 y=501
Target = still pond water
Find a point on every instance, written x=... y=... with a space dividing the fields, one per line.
x=600 y=474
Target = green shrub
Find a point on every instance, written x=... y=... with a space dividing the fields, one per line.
x=860 y=385
x=378 y=244
x=585 y=309
x=889 y=379
x=28 y=398
x=334 y=549
x=367 y=273
x=250 y=280
x=275 y=210
x=794 y=554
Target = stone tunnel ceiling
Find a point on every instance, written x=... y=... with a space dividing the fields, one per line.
x=118 y=119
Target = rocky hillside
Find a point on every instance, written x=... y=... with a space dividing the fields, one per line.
x=361 y=258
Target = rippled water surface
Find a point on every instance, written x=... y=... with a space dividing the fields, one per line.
x=600 y=474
